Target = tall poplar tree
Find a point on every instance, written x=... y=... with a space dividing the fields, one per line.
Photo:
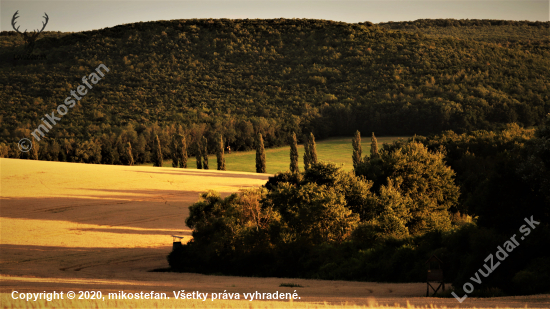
x=307 y=156
x=34 y=151
x=183 y=152
x=312 y=149
x=158 y=153
x=219 y=155
x=260 y=154
x=4 y=150
x=204 y=153
x=129 y=154
x=356 y=142
x=198 y=155
x=294 y=154
x=373 y=147
x=174 y=150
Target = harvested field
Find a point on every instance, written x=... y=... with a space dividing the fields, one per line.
x=82 y=227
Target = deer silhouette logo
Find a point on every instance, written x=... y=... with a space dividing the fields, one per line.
x=30 y=38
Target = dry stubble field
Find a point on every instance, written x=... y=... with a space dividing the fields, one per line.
x=82 y=227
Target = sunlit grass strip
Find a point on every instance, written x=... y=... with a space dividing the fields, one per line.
x=79 y=235
x=337 y=150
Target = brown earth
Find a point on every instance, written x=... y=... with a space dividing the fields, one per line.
x=73 y=227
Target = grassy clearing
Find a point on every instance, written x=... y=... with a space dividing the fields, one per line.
x=337 y=150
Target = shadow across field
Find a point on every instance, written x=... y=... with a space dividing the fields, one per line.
x=139 y=232
x=141 y=210
x=140 y=194
x=212 y=174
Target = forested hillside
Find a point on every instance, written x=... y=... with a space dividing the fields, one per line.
x=529 y=36
x=237 y=77
x=486 y=30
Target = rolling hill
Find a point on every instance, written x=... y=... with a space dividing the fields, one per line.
x=237 y=77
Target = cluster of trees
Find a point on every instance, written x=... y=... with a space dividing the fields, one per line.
x=130 y=145
x=201 y=153
x=300 y=75
x=357 y=150
x=310 y=153
x=178 y=151
x=458 y=196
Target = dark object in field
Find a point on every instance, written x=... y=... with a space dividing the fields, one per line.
x=434 y=275
x=290 y=285
x=176 y=242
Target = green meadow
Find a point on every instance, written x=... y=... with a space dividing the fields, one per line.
x=337 y=150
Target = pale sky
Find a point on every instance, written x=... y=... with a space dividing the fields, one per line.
x=78 y=15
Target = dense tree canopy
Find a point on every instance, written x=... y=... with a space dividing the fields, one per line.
x=421 y=177
x=530 y=36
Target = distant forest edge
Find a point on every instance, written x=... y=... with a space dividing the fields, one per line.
x=205 y=77
x=504 y=32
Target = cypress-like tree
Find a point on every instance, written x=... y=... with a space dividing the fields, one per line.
x=4 y=150
x=174 y=151
x=34 y=151
x=129 y=154
x=183 y=152
x=54 y=150
x=204 y=153
x=198 y=154
x=158 y=153
x=63 y=155
x=312 y=149
x=307 y=155
x=219 y=155
x=356 y=142
x=294 y=154
x=67 y=150
x=260 y=154
x=107 y=152
x=373 y=147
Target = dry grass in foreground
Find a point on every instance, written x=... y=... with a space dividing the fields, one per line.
x=8 y=303
x=77 y=227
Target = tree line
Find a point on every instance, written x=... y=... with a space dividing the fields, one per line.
x=174 y=148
